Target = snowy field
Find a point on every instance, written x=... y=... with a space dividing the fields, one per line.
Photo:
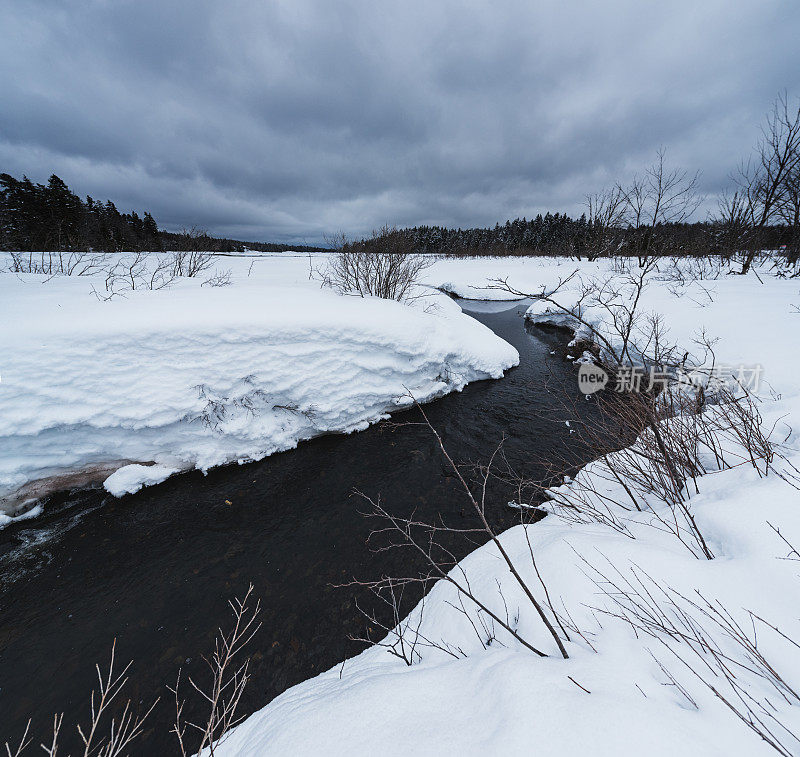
x=668 y=652
x=153 y=382
x=652 y=626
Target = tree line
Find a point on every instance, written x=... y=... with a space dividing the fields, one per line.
x=558 y=234
x=52 y=218
x=651 y=215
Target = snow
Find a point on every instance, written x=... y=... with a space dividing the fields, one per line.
x=33 y=512
x=198 y=376
x=130 y=478
x=504 y=700
x=611 y=697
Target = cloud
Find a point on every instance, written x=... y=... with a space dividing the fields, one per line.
x=287 y=120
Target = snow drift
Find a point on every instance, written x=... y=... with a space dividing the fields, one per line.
x=197 y=376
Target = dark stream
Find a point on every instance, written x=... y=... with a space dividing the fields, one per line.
x=155 y=570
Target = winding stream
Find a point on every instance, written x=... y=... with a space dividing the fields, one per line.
x=155 y=570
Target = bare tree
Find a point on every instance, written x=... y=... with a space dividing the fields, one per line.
x=734 y=223
x=661 y=195
x=604 y=220
x=790 y=215
x=766 y=180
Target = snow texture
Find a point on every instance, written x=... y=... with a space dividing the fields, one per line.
x=194 y=376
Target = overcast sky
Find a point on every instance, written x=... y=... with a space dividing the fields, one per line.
x=284 y=121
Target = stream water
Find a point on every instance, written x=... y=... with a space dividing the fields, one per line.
x=155 y=570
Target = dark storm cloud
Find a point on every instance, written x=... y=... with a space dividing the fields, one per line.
x=286 y=120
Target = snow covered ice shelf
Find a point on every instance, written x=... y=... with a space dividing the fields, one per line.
x=195 y=376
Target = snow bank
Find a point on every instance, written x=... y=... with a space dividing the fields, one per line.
x=476 y=278
x=501 y=699
x=751 y=323
x=196 y=376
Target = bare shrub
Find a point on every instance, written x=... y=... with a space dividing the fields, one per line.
x=132 y=271
x=193 y=255
x=102 y=737
x=228 y=678
x=653 y=461
x=651 y=450
x=120 y=272
x=684 y=271
x=428 y=542
x=112 y=737
x=219 y=278
x=126 y=271
x=191 y=263
x=401 y=637
x=706 y=640
x=654 y=439
x=629 y=336
x=58 y=263
x=381 y=266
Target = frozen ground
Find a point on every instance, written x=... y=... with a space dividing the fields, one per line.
x=196 y=376
x=621 y=691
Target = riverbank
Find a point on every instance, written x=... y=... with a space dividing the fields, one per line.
x=668 y=651
x=130 y=390
x=154 y=570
